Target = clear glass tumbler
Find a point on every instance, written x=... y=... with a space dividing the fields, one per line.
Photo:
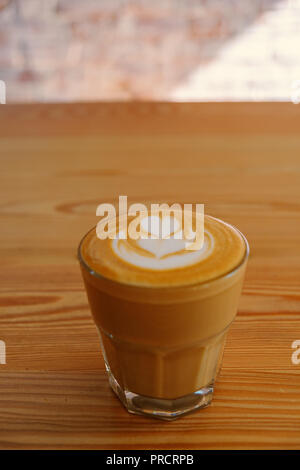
x=163 y=346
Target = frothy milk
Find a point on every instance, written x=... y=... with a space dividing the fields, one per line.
x=165 y=261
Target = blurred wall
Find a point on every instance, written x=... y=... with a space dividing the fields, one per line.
x=72 y=50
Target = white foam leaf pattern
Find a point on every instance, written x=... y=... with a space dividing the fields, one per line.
x=163 y=253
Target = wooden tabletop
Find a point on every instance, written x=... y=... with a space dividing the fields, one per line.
x=58 y=162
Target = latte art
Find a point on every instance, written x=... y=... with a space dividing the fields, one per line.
x=160 y=254
x=163 y=260
x=161 y=245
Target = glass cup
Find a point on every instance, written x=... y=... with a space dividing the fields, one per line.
x=163 y=346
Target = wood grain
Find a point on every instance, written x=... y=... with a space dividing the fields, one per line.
x=58 y=163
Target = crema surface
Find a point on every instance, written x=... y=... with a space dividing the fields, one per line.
x=165 y=262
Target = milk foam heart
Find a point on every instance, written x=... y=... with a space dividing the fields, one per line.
x=160 y=250
x=160 y=254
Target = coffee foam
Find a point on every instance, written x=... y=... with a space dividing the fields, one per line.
x=163 y=260
x=161 y=250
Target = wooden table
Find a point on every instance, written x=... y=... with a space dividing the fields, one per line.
x=58 y=162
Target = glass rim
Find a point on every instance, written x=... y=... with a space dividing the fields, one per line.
x=165 y=288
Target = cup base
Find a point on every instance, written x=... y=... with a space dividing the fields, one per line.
x=166 y=409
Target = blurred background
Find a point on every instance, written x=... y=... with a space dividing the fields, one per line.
x=206 y=50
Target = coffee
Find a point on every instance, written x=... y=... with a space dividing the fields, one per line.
x=163 y=313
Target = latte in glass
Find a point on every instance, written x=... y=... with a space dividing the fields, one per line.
x=163 y=313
